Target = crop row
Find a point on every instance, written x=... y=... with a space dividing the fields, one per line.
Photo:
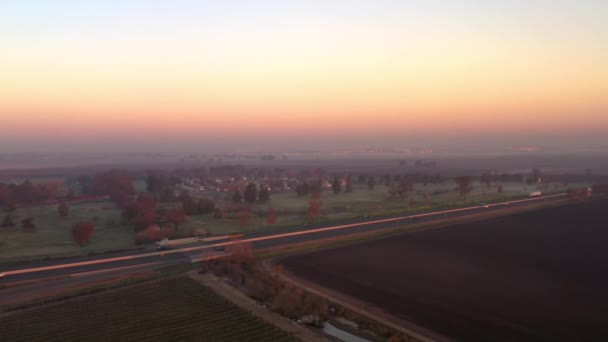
x=177 y=308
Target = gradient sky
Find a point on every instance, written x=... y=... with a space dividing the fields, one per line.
x=157 y=74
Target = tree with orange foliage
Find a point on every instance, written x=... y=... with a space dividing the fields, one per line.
x=82 y=232
x=63 y=208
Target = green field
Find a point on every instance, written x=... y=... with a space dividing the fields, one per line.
x=53 y=233
x=171 y=309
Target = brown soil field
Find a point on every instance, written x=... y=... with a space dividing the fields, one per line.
x=532 y=276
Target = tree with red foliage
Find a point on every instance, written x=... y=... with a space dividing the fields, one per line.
x=272 y=216
x=142 y=211
x=152 y=233
x=63 y=208
x=115 y=183
x=50 y=189
x=176 y=216
x=144 y=219
x=146 y=201
x=82 y=232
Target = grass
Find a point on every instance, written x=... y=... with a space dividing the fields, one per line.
x=177 y=308
x=53 y=233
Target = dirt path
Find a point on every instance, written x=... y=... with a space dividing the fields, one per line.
x=235 y=296
x=365 y=309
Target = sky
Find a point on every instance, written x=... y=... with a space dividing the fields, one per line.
x=236 y=74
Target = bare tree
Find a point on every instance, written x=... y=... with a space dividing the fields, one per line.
x=464 y=185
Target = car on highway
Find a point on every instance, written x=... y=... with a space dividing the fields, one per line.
x=483 y=205
x=219 y=248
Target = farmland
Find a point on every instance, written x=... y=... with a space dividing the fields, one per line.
x=171 y=309
x=536 y=275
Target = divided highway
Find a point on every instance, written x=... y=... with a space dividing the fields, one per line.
x=259 y=240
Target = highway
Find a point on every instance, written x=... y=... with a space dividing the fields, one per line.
x=259 y=240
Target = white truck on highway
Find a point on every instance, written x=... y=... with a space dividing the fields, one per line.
x=168 y=244
x=535 y=194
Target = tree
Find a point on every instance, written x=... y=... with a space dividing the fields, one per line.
x=314 y=205
x=111 y=183
x=371 y=183
x=336 y=187
x=28 y=224
x=348 y=187
x=464 y=185
x=251 y=193
x=244 y=215
x=82 y=232
x=206 y=206
x=264 y=195
x=236 y=196
x=152 y=233
x=7 y=222
x=167 y=194
x=486 y=180
x=145 y=219
x=63 y=208
x=315 y=186
x=272 y=216
x=388 y=180
x=302 y=189
x=239 y=252
x=537 y=175
x=176 y=216
x=189 y=205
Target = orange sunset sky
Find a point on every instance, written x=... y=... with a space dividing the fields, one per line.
x=146 y=73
